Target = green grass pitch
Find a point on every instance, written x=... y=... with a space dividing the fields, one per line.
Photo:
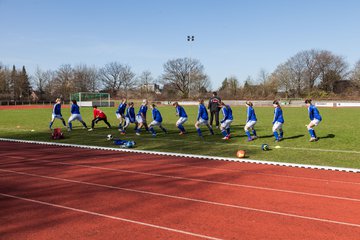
x=339 y=143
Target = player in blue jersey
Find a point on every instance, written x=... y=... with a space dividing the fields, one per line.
x=157 y=120
x=56 y=113
x=141 y=117
x=315 y=119
x=226 y=121
x=120 y=113
x=250 y=121
x=129 y=117
x=75 y=115
x=202 y=118
x=278 y=122
x=180 y=111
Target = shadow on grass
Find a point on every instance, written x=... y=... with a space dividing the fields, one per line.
x=294 y=137
x=330 y=135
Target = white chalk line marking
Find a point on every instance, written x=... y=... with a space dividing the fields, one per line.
x=190 y=199
x=109 y=216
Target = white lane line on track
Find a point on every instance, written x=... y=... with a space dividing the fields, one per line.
x=201 y=180
x=109 y=216
x=224 y=169
x=189 y=199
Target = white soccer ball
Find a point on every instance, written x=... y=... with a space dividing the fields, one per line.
x=109 y=137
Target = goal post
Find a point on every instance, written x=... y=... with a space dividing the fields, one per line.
x=89 y=99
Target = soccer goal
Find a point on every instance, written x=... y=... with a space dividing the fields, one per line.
x=89 y=99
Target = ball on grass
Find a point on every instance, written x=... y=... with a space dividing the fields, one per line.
x=240 y=153
x=265 y=147
x=109 y=137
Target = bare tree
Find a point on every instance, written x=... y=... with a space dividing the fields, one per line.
x=355 y=76
x=85 y=79
x=63 y=82
x=110 y=75
x=127 y=77
x=144 y=80
x=41 y=80
x=185 y=75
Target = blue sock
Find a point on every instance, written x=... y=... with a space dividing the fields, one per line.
x=138 y=130
x=254 y=132
x=312 y=133
x=224 y=133
x=281 y=134
x=152 y=130
x=181 y=127
x=50 y=125
x=211 y=130
x=70 y=125
x=276 y=135
x=199 y=132
x=120 y=126
x=248 y=134
x=228 y=131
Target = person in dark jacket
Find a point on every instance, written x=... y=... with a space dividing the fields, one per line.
x=214 y=107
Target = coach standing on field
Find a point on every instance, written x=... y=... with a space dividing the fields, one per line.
x=214 y=107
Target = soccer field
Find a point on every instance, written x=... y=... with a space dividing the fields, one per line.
x=338 y=145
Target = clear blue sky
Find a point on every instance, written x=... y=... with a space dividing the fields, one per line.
x=232 y=37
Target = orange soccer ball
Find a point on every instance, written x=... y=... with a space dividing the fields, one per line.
x=240 y=154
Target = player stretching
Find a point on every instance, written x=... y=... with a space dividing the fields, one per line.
x=202 y=118
x=75 y=115
x=129 y=117
x=180 y=111
x=141 y=117
x=250 y=121
x=227 y=120
x=98 y=116
x=315 y=119
x=120 y=113
x=56 y=113
x=278 y=122
x=157 y=120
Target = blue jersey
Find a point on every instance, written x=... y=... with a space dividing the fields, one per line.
x=156 y=115
x=227 y=112
x=130 y=113
x=180 y=111
x=314 y=113
x=251 y=116
x=278 y=115
x=121 y=108
x=57 y=109
x=203 y=114
x=75 y=109
x=142 y=110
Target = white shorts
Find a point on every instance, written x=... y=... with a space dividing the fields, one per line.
x=277 y=126
x=226 y=124
x=249 y=125
x=181 y=121
x=118 y=116
x=53 y=116
x=202 y=121
x=139 y=119
x=315 y=121
x=75 y=117
x=155 y=123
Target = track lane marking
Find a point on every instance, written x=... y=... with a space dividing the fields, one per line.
x=109 y=216
x=192 y=199
x=202 y=180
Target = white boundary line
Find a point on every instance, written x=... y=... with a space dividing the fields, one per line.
x=186 y=155
x=193 y=200
x=108 y=216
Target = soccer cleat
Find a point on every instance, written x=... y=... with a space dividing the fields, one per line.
x=154 y=134
x=90 y=129
x=254 y=137
x=69 y=130
x=313 y=139
x=250 y=139
x=123 y=133
x=138 y=134
x=226 y=138
x=182 y=133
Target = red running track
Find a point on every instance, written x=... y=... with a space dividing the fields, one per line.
x=50 y=192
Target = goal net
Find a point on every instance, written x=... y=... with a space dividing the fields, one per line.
x=89 y=99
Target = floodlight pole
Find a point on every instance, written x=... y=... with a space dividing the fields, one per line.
x=190 y=39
